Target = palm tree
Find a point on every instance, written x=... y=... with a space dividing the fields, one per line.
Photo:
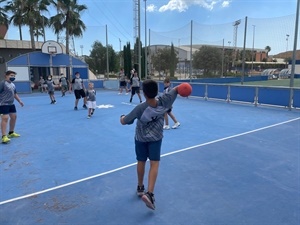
x=3 y=16
x=32 y=15
x=68 y=19
x=268 y=49
x=16 y=7
x=41 y=22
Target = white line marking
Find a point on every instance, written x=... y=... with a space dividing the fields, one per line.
x=132 y=164
x=127 y=103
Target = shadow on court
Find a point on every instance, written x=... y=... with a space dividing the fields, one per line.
x=226 y=164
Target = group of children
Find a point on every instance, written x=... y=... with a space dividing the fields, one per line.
x=150 y=116
x=89 y=95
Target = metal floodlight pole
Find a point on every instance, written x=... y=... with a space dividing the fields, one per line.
x=191 y=53
x=146 y=60
x=244 y=51
x=253 y=47
x=120 y=53
x=139 y=38
x=107 y=57
x=222 y=73
x=235 y=24
x=287 y=48
x=294 y=57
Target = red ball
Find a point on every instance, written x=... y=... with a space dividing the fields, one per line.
x=184 y=89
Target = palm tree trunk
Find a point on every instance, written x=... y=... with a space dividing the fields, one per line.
x=32 y=38
x=20 y=32
x=67 y=42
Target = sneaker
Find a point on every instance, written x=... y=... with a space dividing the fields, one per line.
x=88 y=116
x=75 y=108
x=5 y=139
x=13 y=135
x=51 y=102
x=140 y=191
x=176 y=125
x=166 y=127
x=54 y=101
x=84 y=106
x=126 y=93
x=119 y=93
x=149 y=200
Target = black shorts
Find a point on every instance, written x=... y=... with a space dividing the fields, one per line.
x=122 y=83
x=7 y=109
x=79 y=93
x=135 y=90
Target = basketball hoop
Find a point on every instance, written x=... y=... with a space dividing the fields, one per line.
x=52 y=48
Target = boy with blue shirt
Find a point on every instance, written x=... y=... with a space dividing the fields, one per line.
x=149 y=135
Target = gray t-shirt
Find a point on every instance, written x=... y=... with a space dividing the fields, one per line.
x=135 y=81
x=150 y=120
x=77 y=84
x=63 y=81
x=50 y=85
x=91 y=95
x=122 y=76
x=7 y=93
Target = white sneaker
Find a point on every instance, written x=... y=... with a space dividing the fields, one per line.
x=166 y=127
x=176 y=125
x=119 y=93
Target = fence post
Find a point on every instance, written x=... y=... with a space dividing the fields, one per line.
x=228 y=94
x=206 y=92
x=256 y=96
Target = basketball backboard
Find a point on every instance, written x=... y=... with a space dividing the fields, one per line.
x=52 y=47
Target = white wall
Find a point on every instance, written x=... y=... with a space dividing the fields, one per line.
x=22 y=73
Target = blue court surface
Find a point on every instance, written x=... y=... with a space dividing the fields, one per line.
x=228 y=163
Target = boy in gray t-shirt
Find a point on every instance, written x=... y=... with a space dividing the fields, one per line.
x=8 y=112
x=149 y=134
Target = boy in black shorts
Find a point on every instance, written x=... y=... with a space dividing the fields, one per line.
x=79 y=90
x=7 y=108
x=149 y=134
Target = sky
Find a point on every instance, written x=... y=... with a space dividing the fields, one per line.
x=114 y=19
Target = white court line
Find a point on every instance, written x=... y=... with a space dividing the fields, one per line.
x=132 y=164
x=128 y=103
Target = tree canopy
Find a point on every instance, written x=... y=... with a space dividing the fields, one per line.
x=209 y=59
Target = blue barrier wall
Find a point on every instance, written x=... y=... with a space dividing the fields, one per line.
x=23 y=86
x=277 y=96
x=274 y=96
x=243 y=94
x=296 y=99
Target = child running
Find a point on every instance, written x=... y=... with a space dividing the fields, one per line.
x=149 y=135
x=50 y=85
x=167 y=88
x=91 y=100
x=122 y=84
x=135 y=86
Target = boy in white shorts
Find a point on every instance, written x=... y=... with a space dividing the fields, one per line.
x=91 y=100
